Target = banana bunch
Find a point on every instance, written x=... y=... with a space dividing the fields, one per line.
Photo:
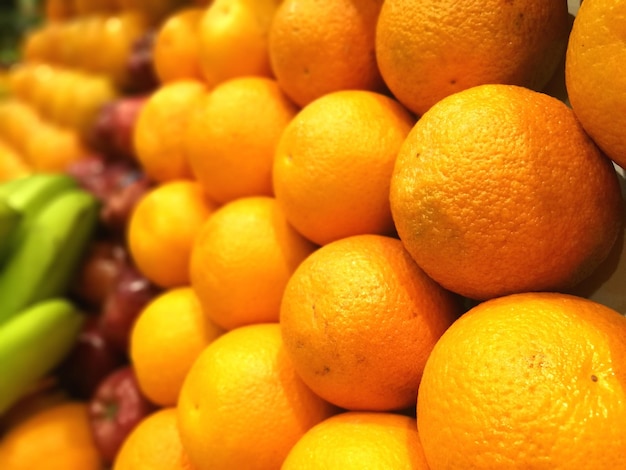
x=46 y=224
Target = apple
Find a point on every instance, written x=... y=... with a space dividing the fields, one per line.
x=91 y=359
x=115 y=408
x=112 y=133
x=98 y=272
x=96 y=174
x=118 y=207
x=131 y=293
x=140 y=65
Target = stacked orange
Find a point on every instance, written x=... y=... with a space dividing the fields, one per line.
x=387 y=256
x=366 y=197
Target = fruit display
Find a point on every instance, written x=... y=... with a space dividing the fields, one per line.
x=295 y=234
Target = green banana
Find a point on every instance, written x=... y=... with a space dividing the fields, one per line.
x=9 y=222
x=31 y=193
x=33 y=343
x=44 y=260
x=9 y=186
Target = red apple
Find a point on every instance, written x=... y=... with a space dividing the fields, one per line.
x=140 y=65
x=112 y=133
x=102 y=177
x=115 y=408
x=131 y=293
x=91 y=359
x=119 y=206
x=98 y=273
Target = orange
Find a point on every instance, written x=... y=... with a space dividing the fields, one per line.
x=167 y=336
x=241 y=260
x=531 y=380
x=160 y=153
x=154 y=444
x=428 y=49
x=595 y=83
x=357 y=440
x=316 y=48
x=498 y=189
x=233 y=135
x=162 y=230
x=334 y=161
x=233 y=39
x=243 y=405
x=359 y=318
x=59 y=435
x=175 y=51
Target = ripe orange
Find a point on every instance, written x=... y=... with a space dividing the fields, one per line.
x=359 y=318
x=233 y=135
x=241 y=260
x=243 y=405
x=334 y=161
x=358 y=440
x=316 y=48
x=162 y=229
x=595 y=82
x=532 y=380
x=167 y=337
x=160 y=153
x=175 y=51
x=154 y=444
x=427 y=49
x=233 y=39
x=58 y=437
x=498 y=189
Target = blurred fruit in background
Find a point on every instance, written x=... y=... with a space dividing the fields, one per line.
x=62 y=435
x=115 y=408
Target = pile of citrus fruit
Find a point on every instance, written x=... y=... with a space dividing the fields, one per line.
x=377 y=226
